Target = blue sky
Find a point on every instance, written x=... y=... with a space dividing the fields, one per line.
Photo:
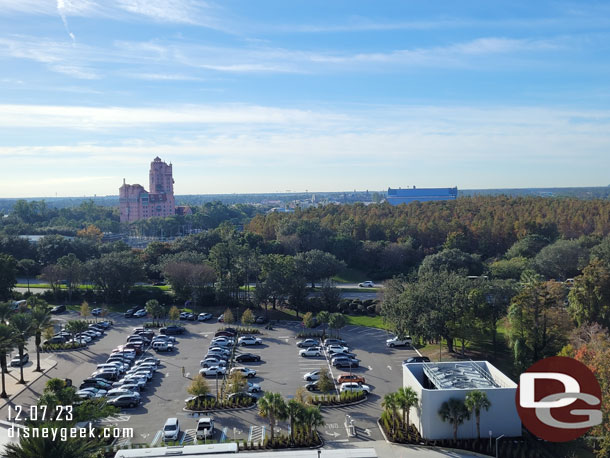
x=269 y=96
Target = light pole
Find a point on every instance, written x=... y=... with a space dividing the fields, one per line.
x=498 y=440
x=490 y=433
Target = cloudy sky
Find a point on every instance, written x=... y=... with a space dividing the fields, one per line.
x=269 y=96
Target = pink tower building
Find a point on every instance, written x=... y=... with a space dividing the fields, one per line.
x=137 y=203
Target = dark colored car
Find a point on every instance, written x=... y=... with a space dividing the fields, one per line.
x=312 y=386
x=417 y=359
x=129 y=313
x=346 y=362
x=125 y=400
x=224 y=334
x=200 y=399
x=170 y=330
x=95 y=383
x=58 y=309
x=247 y=357
x=55 y=340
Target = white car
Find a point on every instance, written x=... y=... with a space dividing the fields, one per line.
x=119 y=391
x=254 y=387
x=337 y=349
x=164 y=338
x=204 y=316
x=213 y=371
x=211 y=362
x=308 y=343
x=96 y=312
x=398 y=342
x=249 y=340
x=311 y=351
x=312 y=376
x=247 y=372
x=355 y=387
x=88 y=393
x=222 y=341
x=366 y=284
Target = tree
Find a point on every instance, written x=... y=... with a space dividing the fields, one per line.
x=538 y=322
x=325 y=382
x=199 y=386
x=308 y=320
x=316 y=265
x=76 y=327
x=41 y=320
x=115 y=273
x=85 y=311
x=28 y=268
x=8 y=275
x=22 y=325
x=390 y=404
x=174 y=313
x=154 y=309
x=406 y=399
x=527 y=247
x=72 y=272
x=40 y=446
x=474 y=402
x=228 y=317
x=272 y=407
x=7 y=343
x=313 y=419
x=295 y=411
x=452 y=260
x=237 y=382
x=331 y=295
x=455 y=412
x=91 y=232
x=53 y=275
x=247 y=318
x=560 y=260
x=323 y=318
x=589 y=298
x=337 y=321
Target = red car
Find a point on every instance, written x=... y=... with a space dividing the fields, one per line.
x=345 y=378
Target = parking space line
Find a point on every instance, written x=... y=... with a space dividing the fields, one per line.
x=156 y=438
x=223 y=436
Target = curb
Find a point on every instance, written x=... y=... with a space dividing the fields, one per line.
x=236 y=409
x=4 y=402
x=366 y=398
x=433 y=447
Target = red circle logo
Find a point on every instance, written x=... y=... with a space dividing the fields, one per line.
x=559 y=399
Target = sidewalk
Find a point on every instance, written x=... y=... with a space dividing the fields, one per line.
x=13 y=388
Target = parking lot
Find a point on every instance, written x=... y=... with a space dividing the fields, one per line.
x=280 y=370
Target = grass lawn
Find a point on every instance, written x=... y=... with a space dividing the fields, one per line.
x=370 y=321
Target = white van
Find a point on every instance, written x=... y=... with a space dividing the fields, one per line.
x=171 y=430
x=163 y=346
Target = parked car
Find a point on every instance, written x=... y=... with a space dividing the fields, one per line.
x=246 y=372
x=221 y=318
x=129 y=313
x=140 y=313
x=345 y=362
x=221 y=350
x=254 y=387
x=247 y=357
x=200 y=398
x=20 y=361
x=224 y=334
x=311 y=351
x=341 y=358
x=312 y=386
x=152 y=359
x=354 y=388
x=205 y=428
x=218 y=355
x=96 y=311
x=249 y=340
x=58 y=309
x=113 y=393
x=398 y=341
x=213 y=371
x=308 y=343
x=164 y=338
x=90 y=393
x=349 y=354
x=240 y=396
x=336 y=348
x=223 y=341
x=204 y=316
x=346 y=378
x=260 y=319
x=312 y=376
x=126 y=400
x=162 y=346
x=211 y=362
x=169 y=330
x=366 y=284
x=104 y=324
x=101 y=384
x=417 y=359
x=334 y=341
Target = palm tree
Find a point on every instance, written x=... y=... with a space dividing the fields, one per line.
x=390 y=404
x=41 y=320
x=475 y=401
x=272 y=407
x=7 y=343
x=455 y=412
x=46 y=446
x=22 y=324
x=6 y=309
x=76 y=327
x=295 y=411
x=406 y=398
x=312 y=417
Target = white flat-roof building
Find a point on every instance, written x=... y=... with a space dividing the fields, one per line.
x=436 y=383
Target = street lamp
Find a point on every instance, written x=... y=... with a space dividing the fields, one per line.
x=498 y=440
x=490 y=433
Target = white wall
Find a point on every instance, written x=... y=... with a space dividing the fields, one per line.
x=502 y=417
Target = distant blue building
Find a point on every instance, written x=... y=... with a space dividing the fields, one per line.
x=406 y=196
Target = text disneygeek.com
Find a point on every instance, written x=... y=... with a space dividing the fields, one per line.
x=64 y=433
